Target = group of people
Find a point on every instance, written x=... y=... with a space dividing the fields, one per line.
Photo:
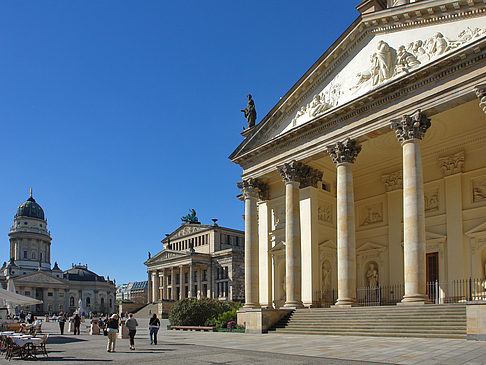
x=110 y=327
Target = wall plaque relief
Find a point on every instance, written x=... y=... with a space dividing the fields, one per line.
x=371 y=214
x=452 y=164
x=278 y=217
x=479 y=189
x=431 y=200
x=393 y=181
x=324 y=212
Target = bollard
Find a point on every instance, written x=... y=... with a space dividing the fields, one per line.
x=122 y=330
x=94 y=328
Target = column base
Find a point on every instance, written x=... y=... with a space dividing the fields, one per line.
x=251 y=306
x=293 y=305
x=345 y=303
x=414 y=300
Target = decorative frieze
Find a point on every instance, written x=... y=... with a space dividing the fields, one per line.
x=411 y=127
x=294 y=171
x=253 y=187
x=452 y=164
x=481 y=94
x=393 y=181
x=344 y=152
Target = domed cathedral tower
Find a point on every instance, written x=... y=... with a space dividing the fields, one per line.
x=30 y=241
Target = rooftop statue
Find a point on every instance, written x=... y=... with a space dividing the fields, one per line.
x=190 y=218
x=250 y=112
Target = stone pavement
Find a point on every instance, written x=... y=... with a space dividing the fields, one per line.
x=237 y=348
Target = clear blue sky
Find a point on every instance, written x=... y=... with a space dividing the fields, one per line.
x=121 y=115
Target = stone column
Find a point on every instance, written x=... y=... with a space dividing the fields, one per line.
x=172 y=283
x=295 y=174
x=199 y=283
x=343 y=155
x=191 y=281
x=251 y=188
x=155 y=289
x=481 y=94
x=409 y=130
x=210 y=280
x=162 y=284
x=149 y=287
x=181 y=282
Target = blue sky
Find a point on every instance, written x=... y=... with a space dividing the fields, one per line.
x=121 y=115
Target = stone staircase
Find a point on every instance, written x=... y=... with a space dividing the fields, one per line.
x=146 y=311
x=439 y=321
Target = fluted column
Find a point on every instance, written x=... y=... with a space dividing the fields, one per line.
x=210 y=280
x=295 y=174
x=481 y=94
x=164 y=285
x=181 y=282
x=199 y=283
x=155 y=288
x=149 y=287
x=172 y=283
x=343 y=155
x=252 y=189
x=191 y=281
x=409 y=130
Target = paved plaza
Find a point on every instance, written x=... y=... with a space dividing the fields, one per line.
x=238 y=348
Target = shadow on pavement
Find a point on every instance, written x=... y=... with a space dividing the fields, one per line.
x=67 y=359
x=62 y=339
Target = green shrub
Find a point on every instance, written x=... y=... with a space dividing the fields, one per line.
x=196 y=312
x=221 y=320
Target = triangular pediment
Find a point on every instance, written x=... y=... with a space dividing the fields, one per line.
x=186 y=229
x=370 y=246
x=278 y=247
x=41 y=278
x=328 y=244
x=479 y=230
x=164 y=255
x=359 y=63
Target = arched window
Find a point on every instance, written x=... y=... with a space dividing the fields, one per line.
x=88 y=302
x=102 y=301
x=71 y=301
x=111 y=304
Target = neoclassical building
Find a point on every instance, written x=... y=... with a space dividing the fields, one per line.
x=371 y=170
x=197 y=261
x=30 y=269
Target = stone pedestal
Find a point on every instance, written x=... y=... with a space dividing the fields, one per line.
x=259 y=320
x=94 y=328
x=71 y=326
x=122 y=330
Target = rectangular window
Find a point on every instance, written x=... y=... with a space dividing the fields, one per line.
x=205 y=290
x=27 y=293
x=169 y=280
x=49 y=294
x=195 y=275
x=186 y=280
x=61 y=294
x=226 y=272
x=25 y=254
x=205 y=275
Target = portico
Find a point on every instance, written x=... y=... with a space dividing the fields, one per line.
x=394 y=147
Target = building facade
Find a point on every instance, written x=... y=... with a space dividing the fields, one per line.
x=30 y=270
x=370 y=171
x=135 y=291
x=198 y=261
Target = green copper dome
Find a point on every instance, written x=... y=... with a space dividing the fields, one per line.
x=30 y=209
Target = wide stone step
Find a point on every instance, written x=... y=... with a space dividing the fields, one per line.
x=384 y=323
x=381 y=327
x=372 y=329
x=377 y=334
x=387 y=318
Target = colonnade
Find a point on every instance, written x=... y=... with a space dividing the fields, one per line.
x=409 y=130
x=163 y=285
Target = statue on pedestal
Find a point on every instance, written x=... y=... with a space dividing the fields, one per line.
x=250 y=112
x=372 y=276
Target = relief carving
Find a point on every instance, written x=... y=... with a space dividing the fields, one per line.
x=452 y=164
x=431 y=200
x=481 y=94
x=393 y=181
x=324 y=213
x=372 y=214
x=479 y=189
x=278 y=215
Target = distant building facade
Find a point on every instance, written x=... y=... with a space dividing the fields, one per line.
x=30 y=269
x=135 y=291
x=198 y=261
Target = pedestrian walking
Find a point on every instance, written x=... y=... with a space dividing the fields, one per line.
x=112 y=329
x=154 y=325
x=131 y=324
x=62 y=322
x=77 y=323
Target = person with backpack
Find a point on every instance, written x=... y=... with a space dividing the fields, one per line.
x=154 y=325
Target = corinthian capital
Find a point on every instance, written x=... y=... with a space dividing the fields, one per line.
x=344 y=152
x=481 y=94
x=411 y=126
x=253 y=188
x=294 y=171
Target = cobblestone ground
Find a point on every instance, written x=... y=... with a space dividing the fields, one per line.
x=236 y=348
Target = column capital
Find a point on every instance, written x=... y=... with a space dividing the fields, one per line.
x=298 y=172
x=345 y=151
x=481 y=94
x=393 y=181
x=253 y=188
x=411 y=127
x=453 y=164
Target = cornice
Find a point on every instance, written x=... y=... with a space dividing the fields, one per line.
x=382 y=96
x=389 y=20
